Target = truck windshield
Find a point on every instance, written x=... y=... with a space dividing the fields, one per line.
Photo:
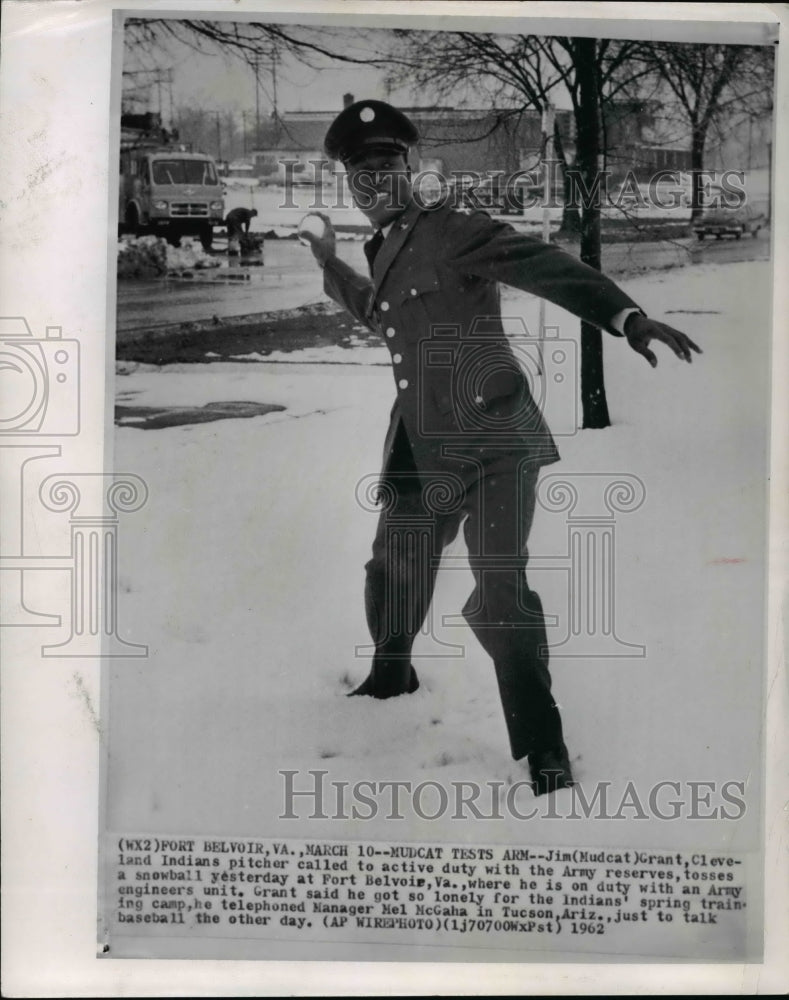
x=183 y=172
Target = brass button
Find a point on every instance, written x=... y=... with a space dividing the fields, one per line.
x=390 y=331
x=403 y=383
x=384 y=307
x=397 y=358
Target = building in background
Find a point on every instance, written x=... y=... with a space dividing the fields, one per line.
x=640 y=139
x=452 y=140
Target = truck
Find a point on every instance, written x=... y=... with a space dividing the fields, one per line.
x=166 y=189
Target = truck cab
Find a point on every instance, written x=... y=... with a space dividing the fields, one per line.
x=170 y=192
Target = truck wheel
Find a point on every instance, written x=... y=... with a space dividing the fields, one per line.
x=207 y=237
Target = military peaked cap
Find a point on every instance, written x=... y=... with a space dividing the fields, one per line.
x=368 y=125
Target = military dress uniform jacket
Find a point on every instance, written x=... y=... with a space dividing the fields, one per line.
x=462 y=397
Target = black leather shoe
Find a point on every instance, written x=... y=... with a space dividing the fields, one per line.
x=550 y=770
x=379 y=684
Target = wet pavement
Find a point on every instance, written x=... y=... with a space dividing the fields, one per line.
x=246 y=339
x=288 y=278
x=153 y=418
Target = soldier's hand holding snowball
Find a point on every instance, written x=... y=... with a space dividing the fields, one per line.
x=317 y=232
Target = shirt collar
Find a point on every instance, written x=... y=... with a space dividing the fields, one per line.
x=401 y=221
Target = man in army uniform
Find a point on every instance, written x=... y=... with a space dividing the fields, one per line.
x=466 y=439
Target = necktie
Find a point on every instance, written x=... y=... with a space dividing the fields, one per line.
x=372 y=246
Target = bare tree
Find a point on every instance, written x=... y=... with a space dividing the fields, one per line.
x=502 y=72
x=704 y=85
x=526 y=71
x=248 y=40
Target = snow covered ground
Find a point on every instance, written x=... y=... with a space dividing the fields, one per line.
x=244 y=575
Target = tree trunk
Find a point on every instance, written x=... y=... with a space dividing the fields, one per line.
x=587 y=117
x=696 y=167
x=571 y=217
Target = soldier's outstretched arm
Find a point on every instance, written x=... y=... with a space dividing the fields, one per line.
x=348 y=288
x=494 y=250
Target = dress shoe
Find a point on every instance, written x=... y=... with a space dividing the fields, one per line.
x=550 y=770
x=381 y=683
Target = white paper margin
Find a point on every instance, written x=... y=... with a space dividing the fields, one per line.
x=55 y=95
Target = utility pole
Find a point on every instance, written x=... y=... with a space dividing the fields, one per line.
x=153 y=78
x=170 y=95
x=274 y=58
x=257 y=102
x=218 y=116
x=271 y=64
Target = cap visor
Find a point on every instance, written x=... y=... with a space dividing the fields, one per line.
x=375 y=146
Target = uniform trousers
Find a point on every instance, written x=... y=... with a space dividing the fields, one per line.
x=496 y=513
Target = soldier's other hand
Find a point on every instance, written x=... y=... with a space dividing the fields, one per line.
x=323 y=244
x=640 y=330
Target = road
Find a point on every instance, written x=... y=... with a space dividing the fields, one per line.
x=289 y=278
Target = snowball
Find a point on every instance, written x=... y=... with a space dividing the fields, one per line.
x=312 y=224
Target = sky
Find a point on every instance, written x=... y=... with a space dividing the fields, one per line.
x=219 y=82
x=216 y=82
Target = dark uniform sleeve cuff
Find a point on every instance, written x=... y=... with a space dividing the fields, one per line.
x=616 y=325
